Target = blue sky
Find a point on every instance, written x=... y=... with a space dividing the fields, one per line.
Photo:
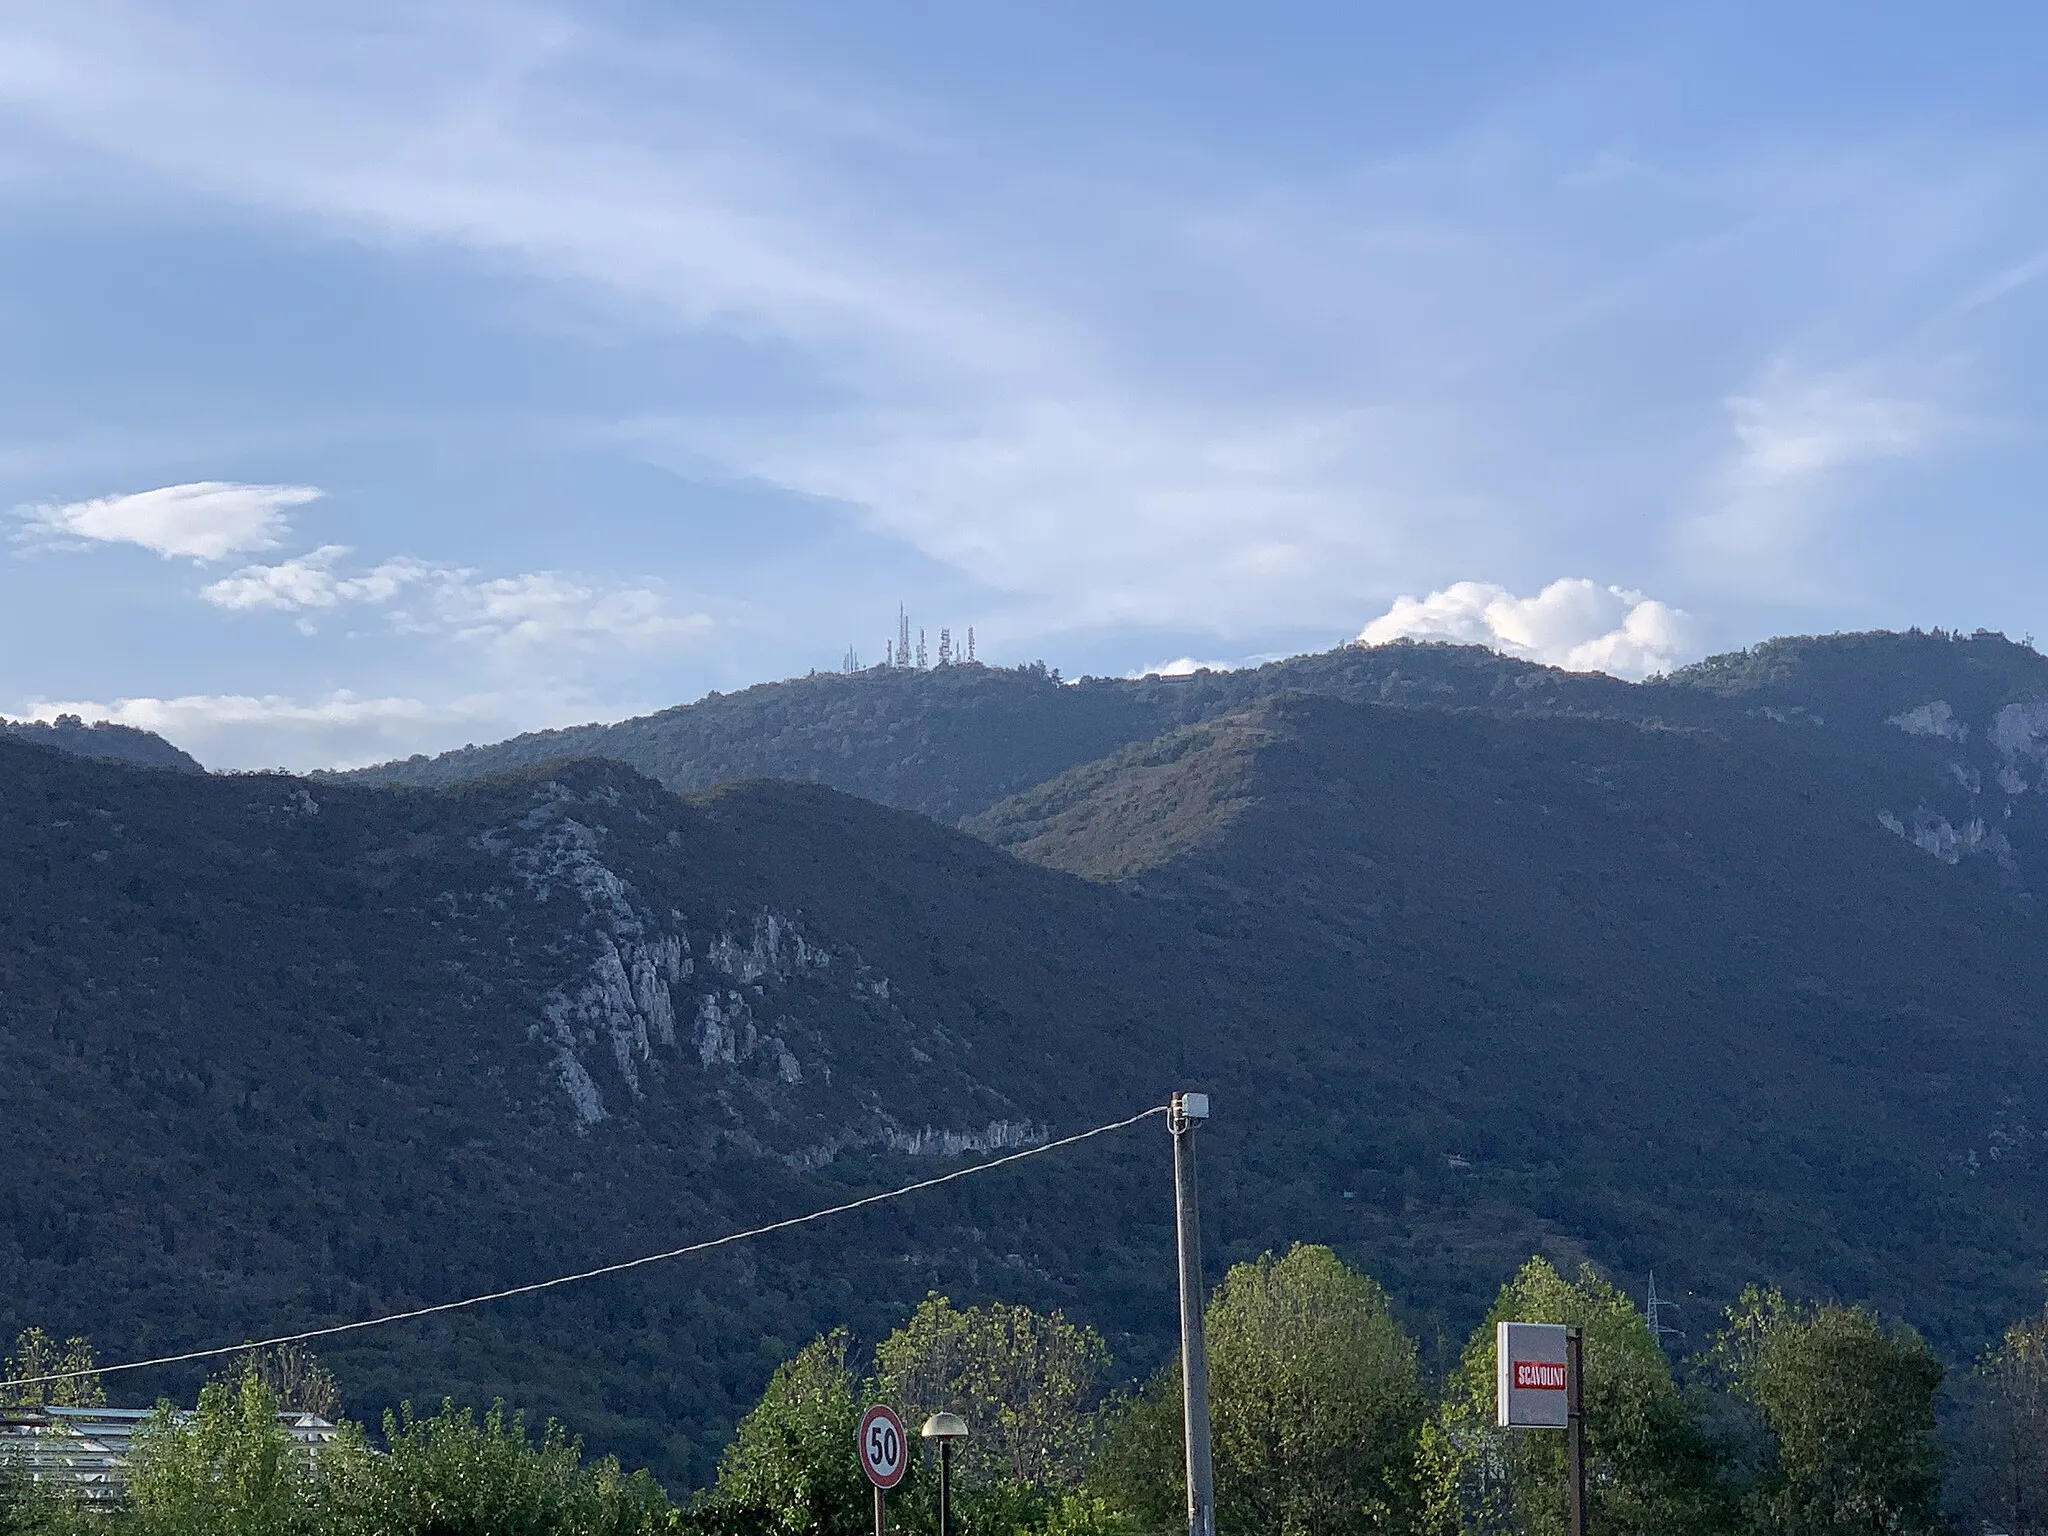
x=382 y=378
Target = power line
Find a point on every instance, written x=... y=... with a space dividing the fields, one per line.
x=588 y=1274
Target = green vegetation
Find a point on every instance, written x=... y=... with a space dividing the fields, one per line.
x=1315 y=1403
x=1802 y=1420
x=1651 y=1466
x=2007 y=1476
x=229 y=1468
x=1025 y=1383
x=791 y=1469
x=37 y=1354
x=455 y=1475
x=1849 y=1405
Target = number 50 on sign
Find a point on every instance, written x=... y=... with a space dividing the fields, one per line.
x=884 y=1453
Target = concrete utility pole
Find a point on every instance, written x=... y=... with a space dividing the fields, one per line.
x=1186 y=1111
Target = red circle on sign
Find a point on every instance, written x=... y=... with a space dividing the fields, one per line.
x=884 y=1452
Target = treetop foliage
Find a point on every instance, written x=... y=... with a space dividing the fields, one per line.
x=1849 y=1403
x=37 y=1354
x=1025 y=1382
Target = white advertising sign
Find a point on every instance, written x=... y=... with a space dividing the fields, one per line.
x=1529 y=1363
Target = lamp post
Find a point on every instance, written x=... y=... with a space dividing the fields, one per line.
x=945 y=1428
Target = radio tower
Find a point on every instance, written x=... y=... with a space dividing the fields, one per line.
x=902 y=637
x=1654 y=1310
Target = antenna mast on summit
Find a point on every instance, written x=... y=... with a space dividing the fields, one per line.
x=902 y=636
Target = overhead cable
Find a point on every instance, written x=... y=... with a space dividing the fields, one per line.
x=587 y=1274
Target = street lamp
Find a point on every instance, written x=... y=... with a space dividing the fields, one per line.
x=945 y=1428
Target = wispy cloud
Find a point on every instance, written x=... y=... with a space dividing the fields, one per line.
x=309 y=581
x=1798 y=440
x=205 y=520
x=1572 y=623
x=509 y=616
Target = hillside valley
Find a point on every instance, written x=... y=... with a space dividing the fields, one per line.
x=1738 y=975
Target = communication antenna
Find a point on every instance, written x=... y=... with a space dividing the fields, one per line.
x=1654 y=1310
x=902 y=637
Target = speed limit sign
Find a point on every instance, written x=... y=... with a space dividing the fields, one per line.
x=884 y=1453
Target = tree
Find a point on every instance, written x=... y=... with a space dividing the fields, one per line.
x=31 y=1508
x=295 y=1376
x=1026 y=1383
x=229 y=1469
x=1850 y=1408
x=37 y=1354
x=453 y=1475
x=2011 y=1428
x=1315 y=1401
x=792 y=1469
x=1138 y=1467
x=1651 y=1468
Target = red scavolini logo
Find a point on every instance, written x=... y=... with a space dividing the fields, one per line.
x=1539 y=1375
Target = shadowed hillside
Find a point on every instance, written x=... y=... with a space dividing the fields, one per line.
x=1649 y=987
x=1701 y=990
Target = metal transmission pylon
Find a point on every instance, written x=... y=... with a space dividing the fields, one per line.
x=1654 y=1310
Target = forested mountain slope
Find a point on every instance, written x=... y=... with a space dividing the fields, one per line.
x=281 y=1052
x=1647 y=990
x=1658 y=989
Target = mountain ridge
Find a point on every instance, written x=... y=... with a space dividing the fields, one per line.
x=104 y=740
x=1467 y=981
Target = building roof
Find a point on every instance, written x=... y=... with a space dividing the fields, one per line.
x=88 y=1448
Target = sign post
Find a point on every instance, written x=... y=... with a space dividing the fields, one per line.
x=1539 y=1384
x=884 y=1453
x=1575 y=1443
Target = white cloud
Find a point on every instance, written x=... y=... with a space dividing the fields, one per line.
x=1182 y=666
x=515 y=614
x=205 y=520
x=337 y=730
x=509 y=616
x=1572 y=623
x=309 y=581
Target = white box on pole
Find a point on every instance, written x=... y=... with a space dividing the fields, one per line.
x=1529 y=1367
